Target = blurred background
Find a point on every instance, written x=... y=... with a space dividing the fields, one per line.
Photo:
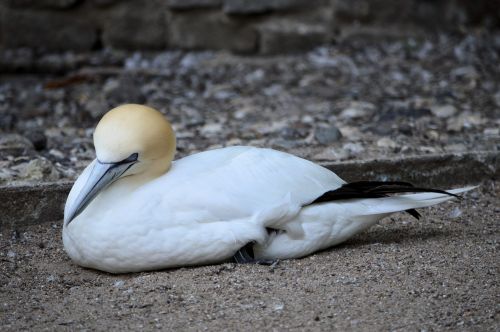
x=326 y=80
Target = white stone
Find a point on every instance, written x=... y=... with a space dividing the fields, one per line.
x=444 y=111
x=386 y=142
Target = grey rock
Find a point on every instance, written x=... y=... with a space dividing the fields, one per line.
x=53 y=31
x=354 y=149
x=290 y=36
x=255 y=76
x=464 y=120
x=444 y=111
x=327 y=135
x=386 y=143
x=357 y=109
x=119 y=283
x=331 y=154
x=291 y=133
x=191 y=60
x=381 y=128
x=135 y=62
x=492 y=132
x=456 y=148
x=455 y=213
x=15 y=145
x=263 y=6
x=285 y=144
x=210 y=30
x=137 y=25
x=193 y=4
x=211 y=129
x=39 y=169
x=468 y=72
x=353 y=113
x=58 y=155
x=274 y=89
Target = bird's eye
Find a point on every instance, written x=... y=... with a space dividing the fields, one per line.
x=129 y=160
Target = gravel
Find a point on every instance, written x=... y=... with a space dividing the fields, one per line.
x=355 y=100
x=438 y=273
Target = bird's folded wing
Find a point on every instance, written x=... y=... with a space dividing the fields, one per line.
x=232 y=183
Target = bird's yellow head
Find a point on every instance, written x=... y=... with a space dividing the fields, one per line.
x=130 y=140
x=135 y=129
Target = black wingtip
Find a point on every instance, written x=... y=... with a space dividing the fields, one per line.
x=394 y=189
x=376 y=189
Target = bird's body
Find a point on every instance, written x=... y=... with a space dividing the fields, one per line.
x=205 y=207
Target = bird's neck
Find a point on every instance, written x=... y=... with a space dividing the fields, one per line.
x=123 y=187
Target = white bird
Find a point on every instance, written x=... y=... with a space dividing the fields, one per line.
x=135 y=209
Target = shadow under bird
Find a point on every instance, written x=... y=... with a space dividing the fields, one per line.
x=135 y=209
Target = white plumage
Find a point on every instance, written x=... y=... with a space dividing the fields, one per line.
x=209 y=205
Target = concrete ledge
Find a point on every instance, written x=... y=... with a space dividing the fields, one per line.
x=26 y=205
x=446 y=170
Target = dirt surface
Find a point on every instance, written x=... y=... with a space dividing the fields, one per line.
x=439 y=273
x=358 y=99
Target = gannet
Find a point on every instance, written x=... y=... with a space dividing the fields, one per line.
x=134 y=209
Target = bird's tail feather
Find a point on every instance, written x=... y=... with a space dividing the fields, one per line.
x=385 y=205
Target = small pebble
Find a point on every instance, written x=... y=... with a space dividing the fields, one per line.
x=455 y=213
x=386 y=143
x=353 y=113
x=444 y=111
x=118 y=283
x=327 y=135
x=353 y=148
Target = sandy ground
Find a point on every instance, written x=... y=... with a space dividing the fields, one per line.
x=439 y=273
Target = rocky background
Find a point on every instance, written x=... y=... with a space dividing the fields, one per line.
x=346 y=79
x=241 y=26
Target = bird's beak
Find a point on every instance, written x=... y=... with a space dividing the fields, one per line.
x=101 y=176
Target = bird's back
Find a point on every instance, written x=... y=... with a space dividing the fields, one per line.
x=237 y=182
